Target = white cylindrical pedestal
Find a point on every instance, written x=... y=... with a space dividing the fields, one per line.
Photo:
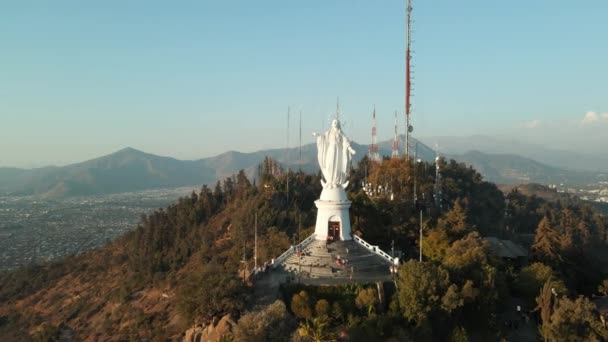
x=332 y=214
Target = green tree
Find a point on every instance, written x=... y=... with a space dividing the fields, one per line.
x=482 y=286
x=218 y=195
x=452 y=299
x=210 y=293
x=546 y=247
x=367 y=299
x=468 y=291
x=532 y=278
x=574 y=320
x=459 y=334
x=336 y=312
x=454 y=222
x=467 y=254
x=273 y=323
x=322 y=309
x=316 y=330
x=300 y=305
x=242 y=182
x=47 y=333
x=435 y=244
x=273 y=244
x=421 y=287
x=603 y=288
x=545 y=304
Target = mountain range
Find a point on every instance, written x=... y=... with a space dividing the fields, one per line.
x=570 y=160
x=131 y=170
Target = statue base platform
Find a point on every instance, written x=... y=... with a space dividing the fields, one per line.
x=333 y=220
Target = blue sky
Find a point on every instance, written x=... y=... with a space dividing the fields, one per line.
x=194 y=79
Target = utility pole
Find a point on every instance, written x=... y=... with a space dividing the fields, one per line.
x=420 y=235
x=244 y=256
x=393 y=266
x=415 y=177
x=299 y=248
x=300 y=148
x=255 y=248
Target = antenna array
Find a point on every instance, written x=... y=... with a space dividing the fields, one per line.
x=408 y=56
x=396 y=140
x=373 y=148
x=437 y=188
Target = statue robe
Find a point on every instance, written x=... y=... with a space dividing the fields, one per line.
x=334 y=157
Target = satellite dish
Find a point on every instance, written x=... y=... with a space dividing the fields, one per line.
x=410 y=129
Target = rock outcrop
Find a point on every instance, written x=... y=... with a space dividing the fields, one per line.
x=211 y=332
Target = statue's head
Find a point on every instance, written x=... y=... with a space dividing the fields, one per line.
x=335 y=124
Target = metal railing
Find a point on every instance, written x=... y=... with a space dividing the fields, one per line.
x=376 y=250
x=292 y=250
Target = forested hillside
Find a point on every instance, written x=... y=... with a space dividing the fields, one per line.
x=185 y=264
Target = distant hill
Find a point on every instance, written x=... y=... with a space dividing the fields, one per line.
x=132 y=170
x=514 y=169
x=538 y=190
x=122 y=171
x=568 y=160
x=548 y=194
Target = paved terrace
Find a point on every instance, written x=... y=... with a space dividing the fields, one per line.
x=318 y=263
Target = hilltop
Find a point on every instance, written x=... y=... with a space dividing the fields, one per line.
x=122 y=171
x=183 y=265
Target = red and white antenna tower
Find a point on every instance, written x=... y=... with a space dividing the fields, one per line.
x=396 y=140
x=373 y=148
x=408 y=128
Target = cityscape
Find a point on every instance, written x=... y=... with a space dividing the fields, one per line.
x=34 y=229
x=597 y=192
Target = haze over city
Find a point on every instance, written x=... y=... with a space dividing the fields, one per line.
x=190 y=81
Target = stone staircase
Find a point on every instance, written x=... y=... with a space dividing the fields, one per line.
x=318 y=261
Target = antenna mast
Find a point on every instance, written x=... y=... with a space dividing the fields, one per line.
x=408 y=57
x=300 y=148
x=437 y=188
x=373 y=148
x=287 y=151
x=396 y=140
x=415 y=176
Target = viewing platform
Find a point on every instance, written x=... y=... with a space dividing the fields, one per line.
x=348 y=261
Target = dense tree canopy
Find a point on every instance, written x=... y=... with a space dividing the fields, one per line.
x=211 y=293
x=273 y=323
x=532 y=278
x=574 y=320
x=421 y=288
x=201 y=247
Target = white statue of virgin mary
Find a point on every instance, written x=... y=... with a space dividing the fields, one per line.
x=334 y=154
